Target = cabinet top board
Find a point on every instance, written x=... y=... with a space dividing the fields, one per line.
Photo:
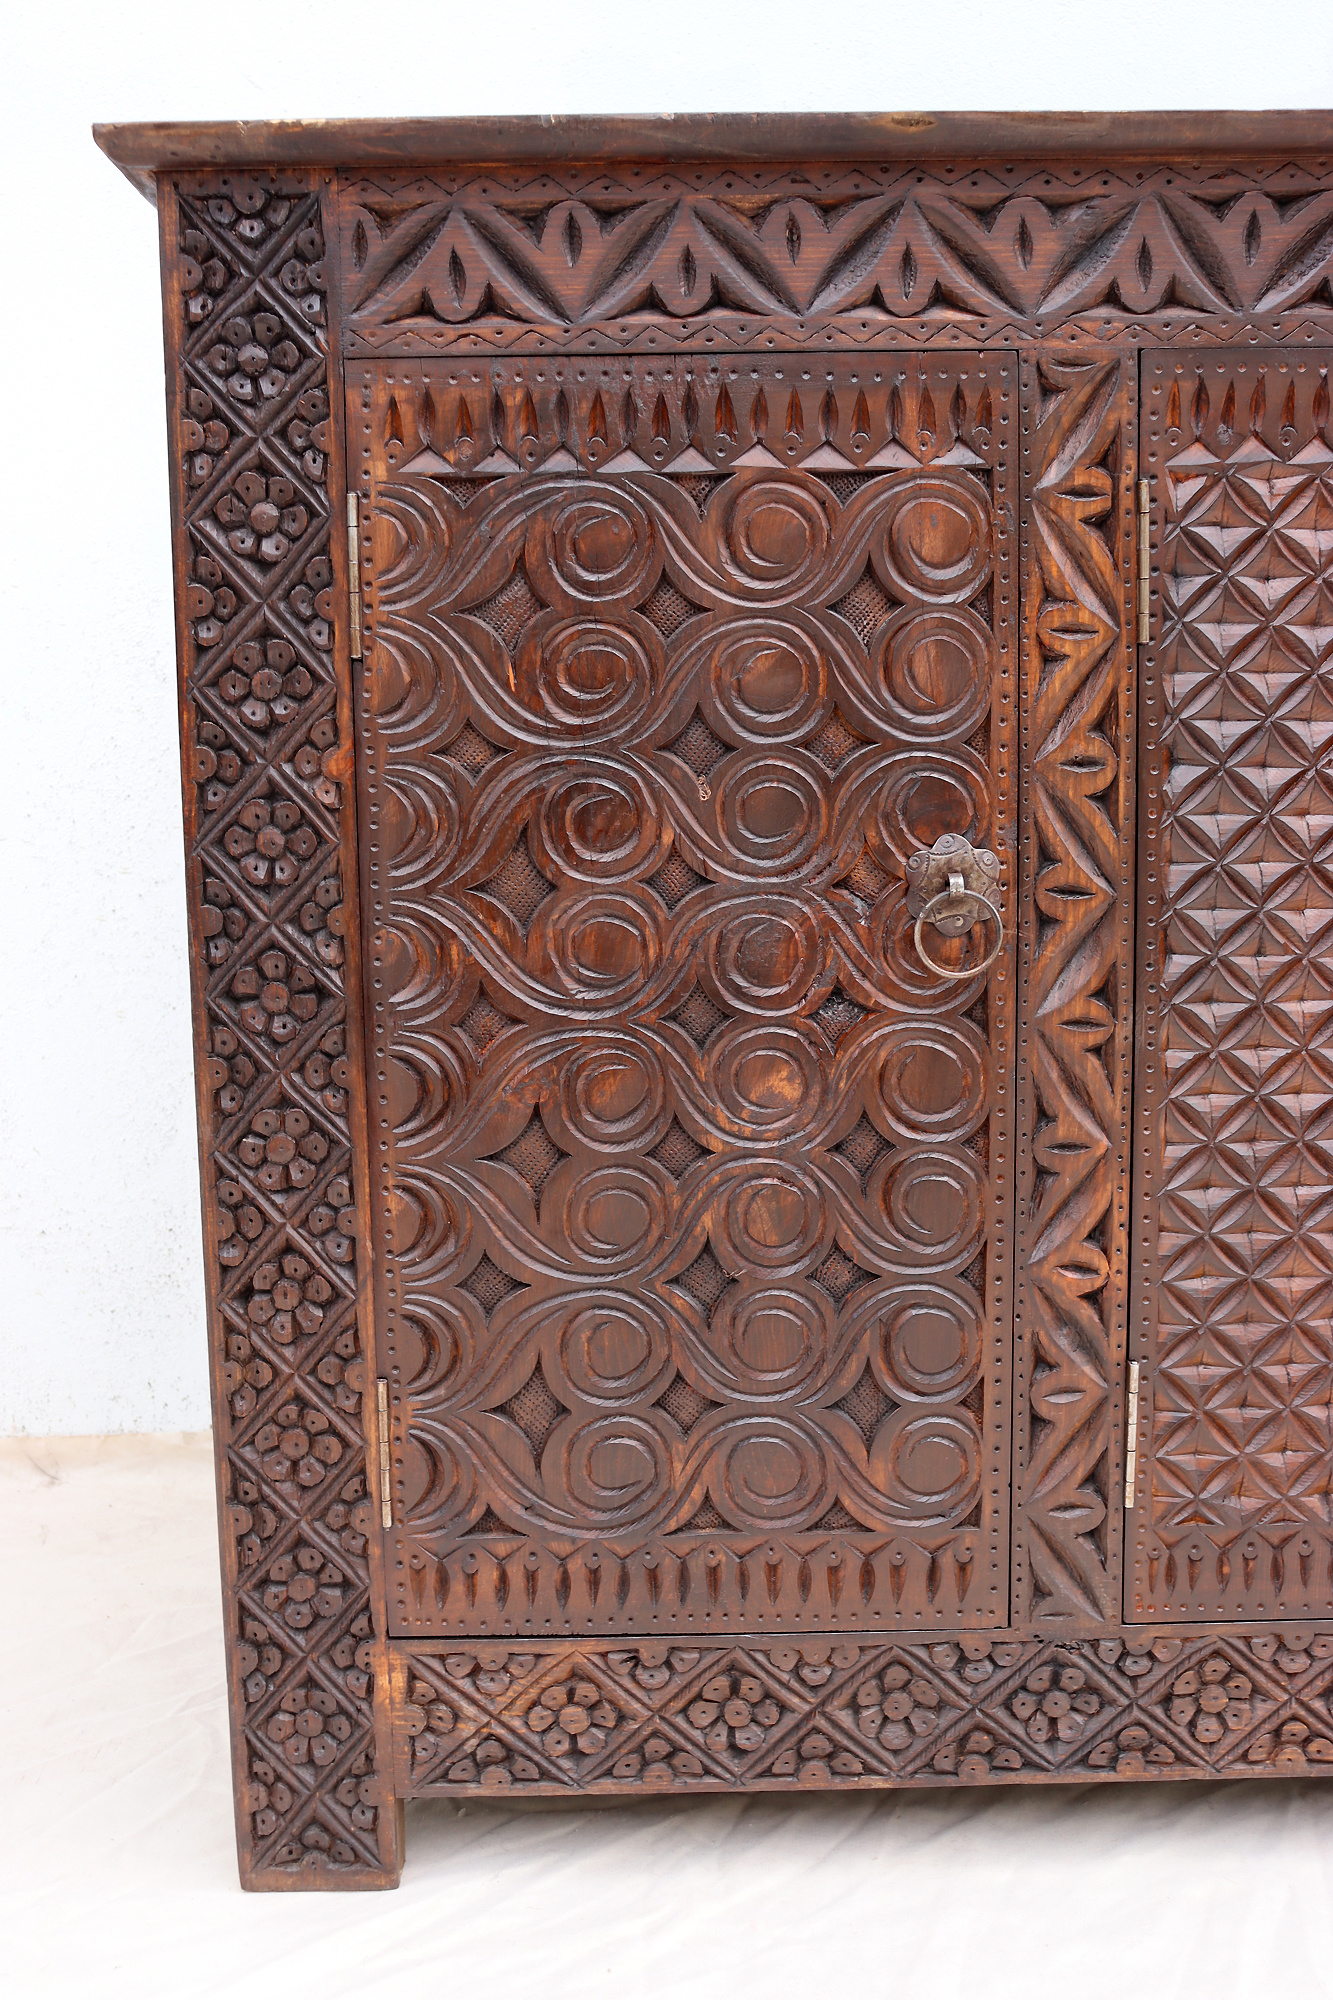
x=142 y=150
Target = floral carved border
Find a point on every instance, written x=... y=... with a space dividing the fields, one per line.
x=770 y=1715
x=1076 y=985
x=270 y=843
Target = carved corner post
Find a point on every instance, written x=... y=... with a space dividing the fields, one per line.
x=889 y=268
x=257 y=505
x=1076 y=964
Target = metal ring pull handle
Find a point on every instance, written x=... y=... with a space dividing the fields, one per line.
x=936 y=908
x=954 y=887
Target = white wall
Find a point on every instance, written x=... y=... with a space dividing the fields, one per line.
x=101 y=1302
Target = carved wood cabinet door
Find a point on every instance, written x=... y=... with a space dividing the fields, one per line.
x=1234 y=1503
x=692 y=1146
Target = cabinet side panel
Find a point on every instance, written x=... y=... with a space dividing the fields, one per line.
x=268 y=809
x=1075 y=983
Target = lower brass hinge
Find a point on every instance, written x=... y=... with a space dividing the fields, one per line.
x=1132 y=1437
x=382 y=1426
x=1143 y=564
x=354 y=573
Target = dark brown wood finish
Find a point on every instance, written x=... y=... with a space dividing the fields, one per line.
x=748 y=503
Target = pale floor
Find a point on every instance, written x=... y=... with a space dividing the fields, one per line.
x=117 y=1874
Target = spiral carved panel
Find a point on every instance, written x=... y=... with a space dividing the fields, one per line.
x=694 y=1189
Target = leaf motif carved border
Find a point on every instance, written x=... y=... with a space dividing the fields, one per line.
x=1075 y=985
x=256 y=480
x=813 y=256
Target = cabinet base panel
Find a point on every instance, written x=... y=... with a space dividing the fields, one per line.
x=625 y=1717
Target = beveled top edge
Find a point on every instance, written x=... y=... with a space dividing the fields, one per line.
x=142 y=150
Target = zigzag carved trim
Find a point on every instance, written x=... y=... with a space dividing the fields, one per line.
x=1078 y=961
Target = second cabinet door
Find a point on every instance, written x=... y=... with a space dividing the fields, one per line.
x=1233 y=1513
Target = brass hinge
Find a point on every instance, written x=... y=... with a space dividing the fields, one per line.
x=382 y=1425
x=1143 y=563
x=354 y=573
x=1132 y=1437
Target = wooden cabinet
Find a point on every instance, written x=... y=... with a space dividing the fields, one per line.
x=757 y=700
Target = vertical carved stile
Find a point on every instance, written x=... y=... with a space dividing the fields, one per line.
x=1075 y=972
x=270 y=842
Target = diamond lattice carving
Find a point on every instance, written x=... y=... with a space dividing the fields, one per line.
x=1241 y=1458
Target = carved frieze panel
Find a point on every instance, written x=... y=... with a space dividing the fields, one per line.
x=687 y=1714
x=750 y=256
x=699 y=1183
x=1234 y=1513
x=688 y=416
